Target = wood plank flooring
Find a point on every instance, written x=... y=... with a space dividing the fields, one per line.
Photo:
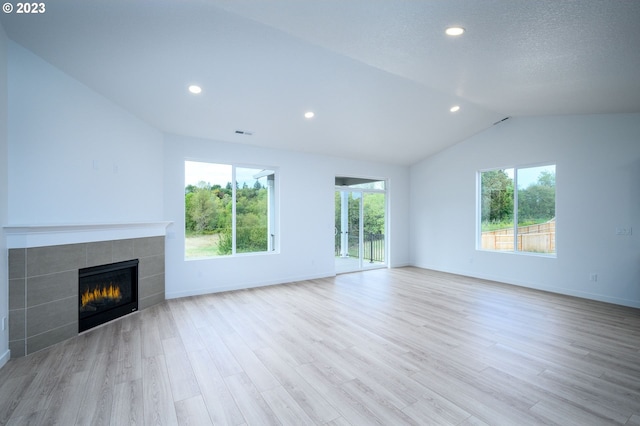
x=390 y=347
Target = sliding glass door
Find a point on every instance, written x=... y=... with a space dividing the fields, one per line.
x=360 y=224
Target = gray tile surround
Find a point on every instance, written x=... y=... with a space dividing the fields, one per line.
x=43 y=286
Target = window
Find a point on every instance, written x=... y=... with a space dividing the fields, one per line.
x=518 y=209
x=222 y=218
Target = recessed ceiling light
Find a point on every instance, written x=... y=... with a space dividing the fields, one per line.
x=454 y=31
x=309 y=114
x=455 y=108
x=195 y=89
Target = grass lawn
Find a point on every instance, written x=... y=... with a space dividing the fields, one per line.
x=201 y=245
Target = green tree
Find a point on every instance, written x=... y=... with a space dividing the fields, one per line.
x=374 y=212
x=537 y=202
x=190 y=188
x=209 y=210
x=354 y=215
x=497 y=197
x=374 y=209
x=202 y=210
x=190 y=224
x=251 y=219
x=547 y=179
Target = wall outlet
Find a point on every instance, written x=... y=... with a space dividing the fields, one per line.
x=4 y=323
x=593 y=277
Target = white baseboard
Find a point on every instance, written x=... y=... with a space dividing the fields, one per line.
x=542 y=287
x=5 y=357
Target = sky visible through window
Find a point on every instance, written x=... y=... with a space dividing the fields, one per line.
x=217 y=174
x=529 y=175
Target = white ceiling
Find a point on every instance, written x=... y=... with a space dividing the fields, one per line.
x=380 y=75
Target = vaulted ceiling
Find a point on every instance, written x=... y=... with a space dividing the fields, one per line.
x=380 y=75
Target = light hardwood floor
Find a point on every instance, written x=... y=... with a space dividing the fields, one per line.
x=391 y=347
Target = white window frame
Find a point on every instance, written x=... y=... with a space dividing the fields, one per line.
x=272 y=210
x=515 y=250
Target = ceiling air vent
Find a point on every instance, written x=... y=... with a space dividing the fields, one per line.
x=244 y=132
x=500 y=121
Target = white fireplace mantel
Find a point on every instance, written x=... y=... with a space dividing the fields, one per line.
x=27 y=236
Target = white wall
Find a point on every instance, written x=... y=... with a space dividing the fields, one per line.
x=4 y=189
x=598 y=189
x=306 y=213
x=71 y=152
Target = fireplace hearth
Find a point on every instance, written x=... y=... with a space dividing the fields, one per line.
x=107 y=292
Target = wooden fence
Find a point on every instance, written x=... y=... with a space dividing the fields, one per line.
x=540 y=238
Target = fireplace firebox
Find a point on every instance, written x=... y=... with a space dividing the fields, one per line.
x=107 y=292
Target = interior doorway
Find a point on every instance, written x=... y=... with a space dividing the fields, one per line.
x=360 y=224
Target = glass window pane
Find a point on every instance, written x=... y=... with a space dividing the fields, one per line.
x=496 y=210
x=537 y=209
x=378 y=184
x=373 y=223
x=353 y=229
x=254 y=188
x=208 y=201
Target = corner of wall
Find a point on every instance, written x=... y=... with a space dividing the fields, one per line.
x=4 y=200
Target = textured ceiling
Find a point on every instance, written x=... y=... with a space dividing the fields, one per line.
x=379 y=74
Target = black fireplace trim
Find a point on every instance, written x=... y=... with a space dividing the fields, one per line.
x=102 y=317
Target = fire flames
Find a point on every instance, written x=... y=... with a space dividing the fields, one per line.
x=106 y=293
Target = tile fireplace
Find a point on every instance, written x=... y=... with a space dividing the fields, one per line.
x=45 y=272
